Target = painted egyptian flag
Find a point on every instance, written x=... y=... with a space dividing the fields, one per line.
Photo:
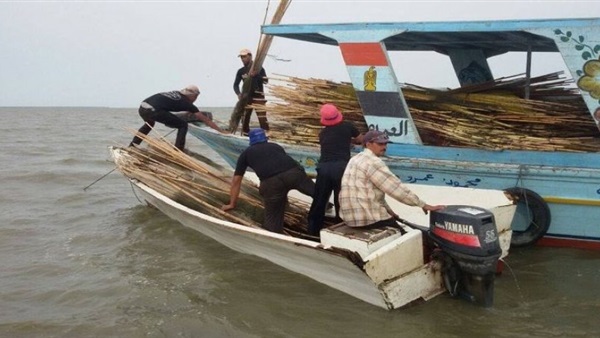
x=368 y=65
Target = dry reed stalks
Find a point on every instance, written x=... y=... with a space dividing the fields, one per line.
x=491 y=116
x=202 y=185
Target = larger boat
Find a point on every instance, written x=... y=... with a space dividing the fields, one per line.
x=557 y=192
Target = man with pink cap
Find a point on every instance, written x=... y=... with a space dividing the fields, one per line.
x=335 y=140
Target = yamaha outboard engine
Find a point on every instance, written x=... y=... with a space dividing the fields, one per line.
x=469 y=249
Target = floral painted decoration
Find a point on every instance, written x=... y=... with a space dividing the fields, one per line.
x=589 y=80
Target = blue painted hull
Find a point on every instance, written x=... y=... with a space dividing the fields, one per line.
x=568 y=182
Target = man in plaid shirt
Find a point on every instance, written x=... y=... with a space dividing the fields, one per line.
x=365 y=182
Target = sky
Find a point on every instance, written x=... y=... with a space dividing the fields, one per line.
x=117 y=53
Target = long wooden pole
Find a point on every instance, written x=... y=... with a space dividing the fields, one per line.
x=490 y=116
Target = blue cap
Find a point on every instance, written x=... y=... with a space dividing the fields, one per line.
x=257 y=136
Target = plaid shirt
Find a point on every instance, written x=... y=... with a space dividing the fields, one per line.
x=365 y=182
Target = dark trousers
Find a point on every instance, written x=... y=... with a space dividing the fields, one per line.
x=260 y=113
x=274 y=191
x=329 y=179
x=150 y=116
x=390 y=222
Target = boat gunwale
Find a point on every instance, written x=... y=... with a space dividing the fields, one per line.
x=424 y=152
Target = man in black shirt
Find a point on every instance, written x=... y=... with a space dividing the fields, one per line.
x=158 y=108
x=257 y=92
x=278 y=174
x=335 y=140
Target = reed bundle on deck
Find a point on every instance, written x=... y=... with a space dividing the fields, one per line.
x=201 y=184
x=492 y=115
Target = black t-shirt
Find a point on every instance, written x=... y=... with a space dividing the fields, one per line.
x=335 y=142
x=266 y=159
x=171 y=101
x=257 y=82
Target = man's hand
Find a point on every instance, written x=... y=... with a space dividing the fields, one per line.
x=428 y=207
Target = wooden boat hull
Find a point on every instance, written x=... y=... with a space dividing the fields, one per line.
x=304 y=257
x=389 y=274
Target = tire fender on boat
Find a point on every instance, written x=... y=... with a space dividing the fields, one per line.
x=538 y=212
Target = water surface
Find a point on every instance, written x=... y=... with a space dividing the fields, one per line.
x=99 y=263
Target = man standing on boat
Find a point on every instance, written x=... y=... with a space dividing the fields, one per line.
x=365 y=183
x=158 y=108
x=335 y=140
x=257 y=92
x=278 y=174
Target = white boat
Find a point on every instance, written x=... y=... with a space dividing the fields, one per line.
x=384 y=268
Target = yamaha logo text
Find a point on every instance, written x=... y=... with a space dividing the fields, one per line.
x=456 y=227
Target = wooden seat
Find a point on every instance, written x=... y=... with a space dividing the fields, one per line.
x=362 y=241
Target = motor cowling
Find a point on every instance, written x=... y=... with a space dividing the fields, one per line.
x=467 y=244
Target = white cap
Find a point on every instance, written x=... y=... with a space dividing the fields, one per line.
x=190 y=90
x=245 y=52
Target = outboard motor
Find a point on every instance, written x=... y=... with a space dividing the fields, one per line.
x=469 y=248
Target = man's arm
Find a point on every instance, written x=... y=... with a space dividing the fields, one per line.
x=236 y=83
x=357 y=136
x=385 y=180
x=234 y=193
x=203 y=118
x=263 y=74
x=358 y=140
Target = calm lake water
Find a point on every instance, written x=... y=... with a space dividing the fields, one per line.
x=99 y=263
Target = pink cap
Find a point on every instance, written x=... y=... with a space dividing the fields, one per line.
x=330 y=115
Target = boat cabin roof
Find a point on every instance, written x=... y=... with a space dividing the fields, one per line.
x=493 y=37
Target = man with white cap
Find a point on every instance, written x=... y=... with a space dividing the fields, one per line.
x=257 y=92
x=278 y=173
x=365 y=183
x=159 y=108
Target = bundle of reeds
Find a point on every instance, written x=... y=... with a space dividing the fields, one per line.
x=493 y=115
x=201 y=184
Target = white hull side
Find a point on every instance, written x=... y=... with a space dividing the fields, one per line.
x=304 y=257
x=393 y=272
